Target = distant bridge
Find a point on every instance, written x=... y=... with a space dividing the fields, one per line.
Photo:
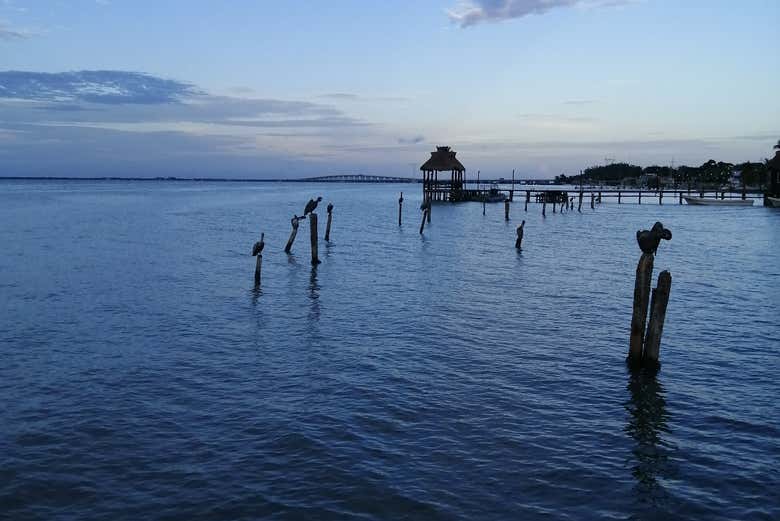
x=360 y=178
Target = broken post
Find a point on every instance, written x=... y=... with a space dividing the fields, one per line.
x=644 y=272
x=330 y=217
x=293 y=233
x=506 y=209
x=257 y=251
x=657 y=316
x=313 y=237
x=400 y=207
x=519 y=240
x=424 y=216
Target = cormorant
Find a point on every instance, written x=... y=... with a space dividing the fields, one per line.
x=648 y=240
x=311 y=206
x=330 y=207
x=258 y=247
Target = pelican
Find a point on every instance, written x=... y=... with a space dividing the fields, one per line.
x=649 y=240
x=258 y=247
x=311 y=206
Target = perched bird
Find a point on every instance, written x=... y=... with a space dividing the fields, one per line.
x=311 y=206
x=330 y=207
x=258 y=247
x=649 y=240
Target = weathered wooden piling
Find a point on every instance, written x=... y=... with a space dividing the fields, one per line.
x=428 y=211
x=293 y=233
x=644 y=272
x=544 y=208
x=424 y=216
x=579 y=206
x=655 y=328
x=315 y=259
x=400 y=207
x=527 y=199
x=618 y=196
x=640 y=196
x=592 y=201
x=519 y=240
x=660 y=196
x=681 y=196
x=553 y=205
x=483 y=205
x=506 y=209
x=257 y=251
x=330 y=218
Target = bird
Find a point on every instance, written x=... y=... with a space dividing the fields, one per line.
x=649 y=240
x=311 y=206
x=258 y=247
x=330 y=207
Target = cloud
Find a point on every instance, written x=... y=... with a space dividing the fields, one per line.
x=9 y=33
x=580 y=102
x=473 y=12
x=103 y=87
x=414 y=140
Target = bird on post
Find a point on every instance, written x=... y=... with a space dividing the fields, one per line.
x=649 y=240
x=311 y=206
x=330 y=206
x=257 y=249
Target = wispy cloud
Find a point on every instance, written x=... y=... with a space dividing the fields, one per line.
x=472 y=12
x=580 y=102
x=414 y=140
x=346 y=96
x=9 y=33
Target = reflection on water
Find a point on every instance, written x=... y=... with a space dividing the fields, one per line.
x=647 y=425
x=256 y=292
x=314 y=295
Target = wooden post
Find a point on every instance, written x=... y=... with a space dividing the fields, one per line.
x=330 y=218
x=257 y=251
x=657 y=316
x=506 y=209
x=519 y=240
x=527 y=198
x=553 y=205
x=644 y=272
x=293 y=233
x=544 y=205
x=313 y=236
x=640 y=196
x=428 y=211
x=681 y=196
x=422 y=224
x=618 y=196
x=592 y=200
x=579 y=206
x=744 y=194
x=723 y=194
x=483 y=203
x=400 y=207
x=599 y=199
x=660 y=196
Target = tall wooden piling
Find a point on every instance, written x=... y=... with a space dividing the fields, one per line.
x=681 y=196
x=579 y=206
x=592 y=201
x=660 y=196
x=618 y=196
x=655 y=329
x=483 y=204
x=644 y=272
x=428 y=211
x=315 y=259
x=293 y=234
x=424 y=216
x=640 y=196
x=527 y=199
x=327 y=226
x=544 y=207
x=519 y=240
x=257 y=251
x=506 y=209
x=553 y=205
x=400 y=207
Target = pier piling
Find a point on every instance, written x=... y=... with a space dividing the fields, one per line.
x=640 y=196
x=544 y=208
x=293 y=234
x=527 y=198
x=579 y=206
x=330 y=218
x=519 y=240
x=313 y=237
x=655 y=328
x=506 y=209
x=424 y=217
x=257 y=251
x=592 y=201
x=400 y=207
x=644 y=272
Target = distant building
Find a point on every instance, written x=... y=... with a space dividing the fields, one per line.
x=443 y=160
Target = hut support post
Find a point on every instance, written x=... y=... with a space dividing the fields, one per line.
x=644 y=272
x=428 y=212
x=655 y=328
x=313 y=236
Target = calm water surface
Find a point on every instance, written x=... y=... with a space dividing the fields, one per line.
x=438 y=377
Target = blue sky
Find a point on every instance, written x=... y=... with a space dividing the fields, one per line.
x=294 y=88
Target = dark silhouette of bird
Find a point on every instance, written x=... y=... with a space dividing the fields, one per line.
x=330 y=207
x=258 y=247
x=649 y=240
x=311 y=206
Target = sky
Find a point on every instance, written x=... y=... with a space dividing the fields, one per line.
x=292 y=88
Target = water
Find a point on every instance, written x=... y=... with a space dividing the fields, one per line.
x=407 y=377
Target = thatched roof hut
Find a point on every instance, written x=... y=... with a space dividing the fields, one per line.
x=443 y=160
x=774 y=163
